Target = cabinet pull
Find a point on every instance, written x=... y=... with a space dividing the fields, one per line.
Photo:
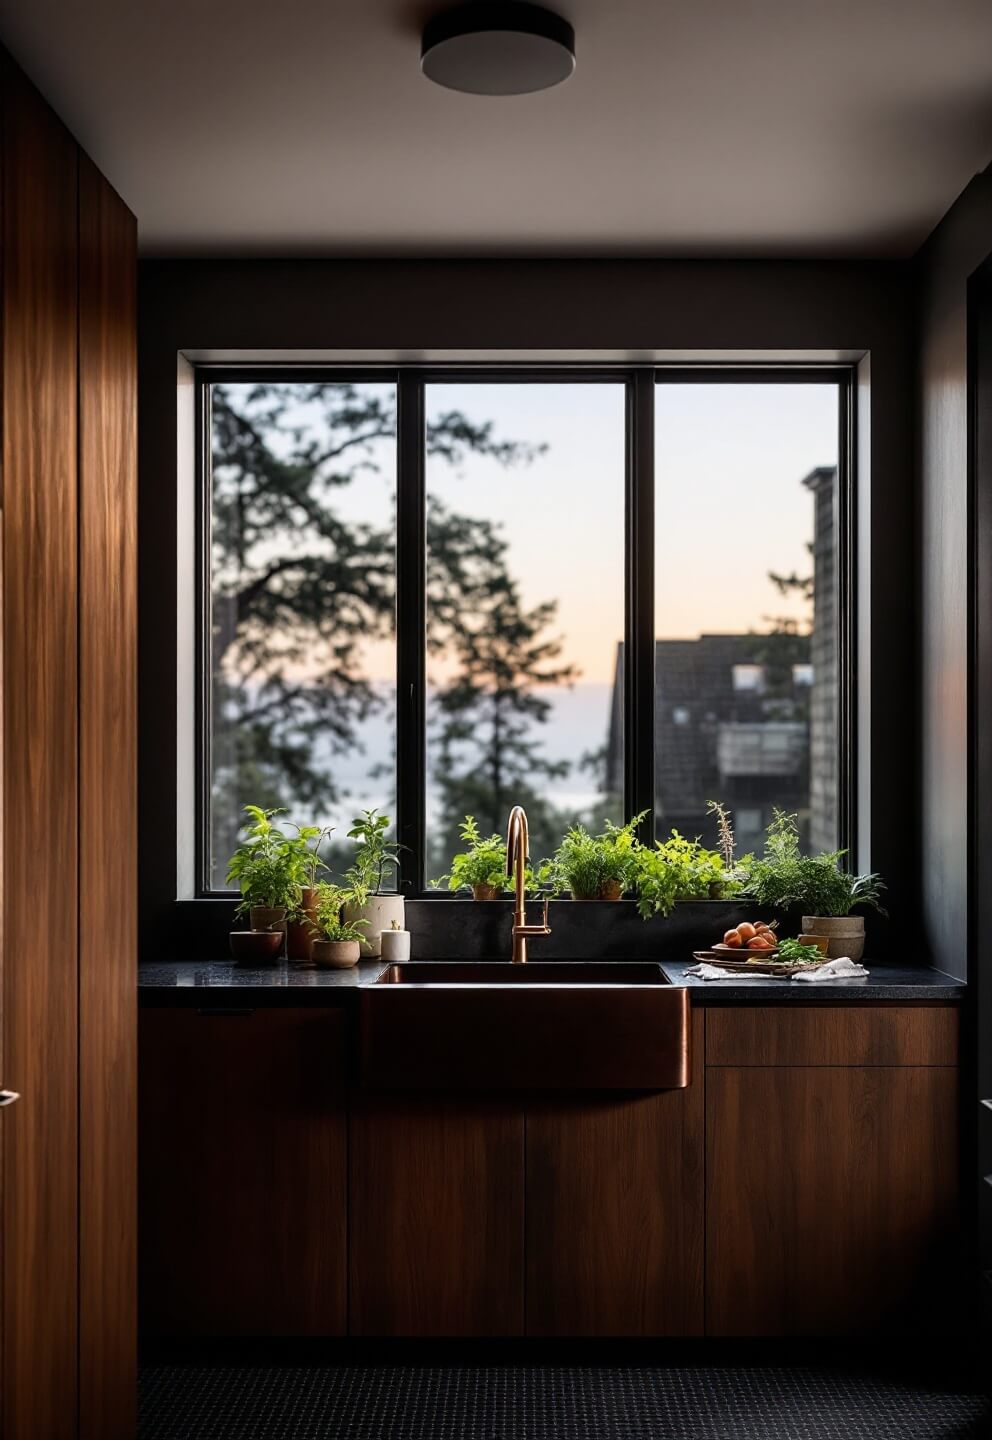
x=7 y=1097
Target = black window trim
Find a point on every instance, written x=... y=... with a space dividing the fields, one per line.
x=639 y=599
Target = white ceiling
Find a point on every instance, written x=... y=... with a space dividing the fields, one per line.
x=743 y=127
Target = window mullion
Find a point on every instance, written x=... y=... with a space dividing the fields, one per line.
x=411 y=630
x=639 y=647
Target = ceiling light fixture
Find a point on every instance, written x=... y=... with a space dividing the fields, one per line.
x=508 y=48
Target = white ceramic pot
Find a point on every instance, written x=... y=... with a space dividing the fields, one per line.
x=334 y=954
x=379 y=911
x=395 y=945
x=845 y=934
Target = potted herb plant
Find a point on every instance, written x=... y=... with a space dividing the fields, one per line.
x=336 y=943
x=783 y=877
x=305 y=846
x=674 y=869
x=264 y=870
x=480 y=868
x=375 y=859
x=593 y=867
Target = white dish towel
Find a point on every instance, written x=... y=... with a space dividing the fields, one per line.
x=843 y=969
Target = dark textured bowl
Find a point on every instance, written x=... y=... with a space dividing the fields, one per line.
x=255 y=947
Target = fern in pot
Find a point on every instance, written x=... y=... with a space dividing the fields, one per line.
x=376 y=861
x=785 y=878
x=336 y=943
x=264 y=869
x=675 y=869
x=594 y=867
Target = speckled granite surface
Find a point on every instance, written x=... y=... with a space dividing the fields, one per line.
x=190 y=982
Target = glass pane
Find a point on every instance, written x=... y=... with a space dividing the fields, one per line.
x=525 y=524
x=746 y=607
x=302 y=664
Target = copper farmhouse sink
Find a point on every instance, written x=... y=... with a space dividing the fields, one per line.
x=494 y=1025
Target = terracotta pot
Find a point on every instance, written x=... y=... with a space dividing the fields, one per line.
x=255 y=947
x=334 y=954
x=379 y=911
x=264 y=917
x=486 y=892
x=299 y=935
x=845 y=935
x=612 y=890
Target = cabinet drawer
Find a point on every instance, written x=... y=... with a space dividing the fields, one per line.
x=832 y=1035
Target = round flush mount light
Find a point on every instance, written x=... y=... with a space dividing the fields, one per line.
x=508 y=48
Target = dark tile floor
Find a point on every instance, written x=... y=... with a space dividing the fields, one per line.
x=761 y=1401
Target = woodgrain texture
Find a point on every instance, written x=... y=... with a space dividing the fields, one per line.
x=437 y=1216
x=243 y=1162
x=615 y=1211
x=831 y=1197
x=832 y=1035
x=40 y=766
x=108 y=810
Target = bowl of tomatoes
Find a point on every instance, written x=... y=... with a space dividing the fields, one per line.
x=754 y=939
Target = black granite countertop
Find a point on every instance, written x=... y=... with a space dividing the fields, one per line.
x=215 y=982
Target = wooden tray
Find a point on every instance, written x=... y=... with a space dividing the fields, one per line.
x=783 y=970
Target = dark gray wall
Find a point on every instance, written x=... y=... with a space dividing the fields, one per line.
x=634 y=308
x=955 y=249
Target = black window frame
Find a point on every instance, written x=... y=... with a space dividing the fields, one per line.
x=639 y=382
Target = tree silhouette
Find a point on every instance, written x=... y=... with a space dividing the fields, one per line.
x=300 y=588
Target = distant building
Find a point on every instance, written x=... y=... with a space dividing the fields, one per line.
x=748 y=719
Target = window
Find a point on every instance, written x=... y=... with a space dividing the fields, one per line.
x=747 y=549
x=525 y=609
x=300 y=635
x=441 y=592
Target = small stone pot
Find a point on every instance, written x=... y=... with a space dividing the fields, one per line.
x=845 y=934
x=264 y=917
x=334 y=954
x=395 y=945
x=299 y=933
x=484 y=892
x=255 y=947
x=379 y=912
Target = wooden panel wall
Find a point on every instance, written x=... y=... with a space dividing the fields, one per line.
x=108 y=881
x=40 y=767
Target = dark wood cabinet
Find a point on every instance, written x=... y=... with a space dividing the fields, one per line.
x=437 y=1216
x=243 y=1177
x=615 y=1211
x=830 y=1187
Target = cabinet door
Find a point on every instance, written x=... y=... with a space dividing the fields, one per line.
x=243 y=1189
x=830 y=1196
x=615 y=1212
x=40 y=768
x=437 y=1216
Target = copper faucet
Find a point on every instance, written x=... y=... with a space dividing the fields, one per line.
x=517 y=852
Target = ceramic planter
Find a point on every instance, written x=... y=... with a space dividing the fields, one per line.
x=395 y=945
x=264 y=917
x=255 y=947
x=299 y=934
x=486 y=892
x=334 y=954
x=845 y=934
x=379 y=911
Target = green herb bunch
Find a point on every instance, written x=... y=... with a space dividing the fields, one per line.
x=265 y=868
x=482 y=863
x=375 y=856
x=675 y=869
x=782 y=876
x=329 y=924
